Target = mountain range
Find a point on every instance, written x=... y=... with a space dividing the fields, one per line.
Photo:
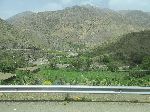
x=73 y=28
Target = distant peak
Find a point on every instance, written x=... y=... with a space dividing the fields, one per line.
x=80 y=7
x=74 y=7
x=22 y=14
x=26 y=13
x=90 y=6
x=132 y=11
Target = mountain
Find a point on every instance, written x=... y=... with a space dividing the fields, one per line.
x=13 y=38
x=73 y=28
x=138 y=17
x=20 y=15
x=132 y=47
x=8 y=36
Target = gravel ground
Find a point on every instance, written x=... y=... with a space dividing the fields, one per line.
x=73 y=107
x=74 y=97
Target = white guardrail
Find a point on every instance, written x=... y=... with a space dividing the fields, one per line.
x=76 y=89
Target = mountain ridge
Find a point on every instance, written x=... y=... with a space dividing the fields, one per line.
x=73 y=26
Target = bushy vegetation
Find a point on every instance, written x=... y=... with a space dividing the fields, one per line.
x=48 y=76
x=9 y=61
x=146 y=63
x=131 y=49
x=22 y=78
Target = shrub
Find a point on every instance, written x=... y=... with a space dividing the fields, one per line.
x=112 y=67
x=146 y=63
x=10 y=61
x=138 y=73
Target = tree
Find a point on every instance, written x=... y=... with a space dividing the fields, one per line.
x=146 y=63
x=10 y=61
x=112 y=67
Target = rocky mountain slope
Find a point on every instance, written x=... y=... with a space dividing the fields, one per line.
x=138 y=17
x=73 y=28
x=8 y=36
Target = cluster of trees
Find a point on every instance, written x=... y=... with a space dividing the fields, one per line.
x=9 y=61
x=79 y=63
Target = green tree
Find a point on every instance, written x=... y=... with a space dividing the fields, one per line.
x=146 y=63
x=112 y=67
x=10 y=61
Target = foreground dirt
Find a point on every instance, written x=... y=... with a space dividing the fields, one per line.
x=73 y=107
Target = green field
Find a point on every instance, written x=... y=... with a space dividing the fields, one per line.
x=100 y=78
x=47 y=76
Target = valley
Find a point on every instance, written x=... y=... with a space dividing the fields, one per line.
x=79 y=45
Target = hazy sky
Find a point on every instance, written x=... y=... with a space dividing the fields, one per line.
x=11 y=7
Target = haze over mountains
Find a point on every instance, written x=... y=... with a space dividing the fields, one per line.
x=71 y=28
